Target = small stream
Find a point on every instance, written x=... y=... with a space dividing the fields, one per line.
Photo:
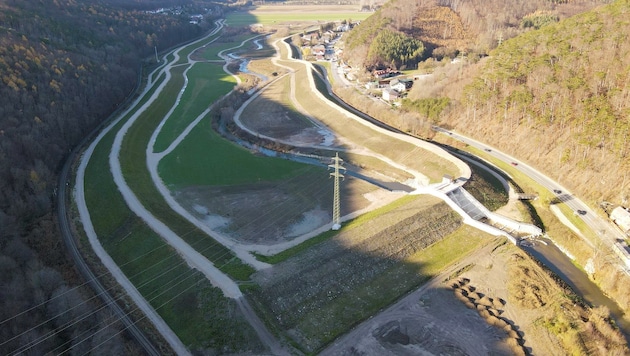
x=245 y=62
x=552 y=257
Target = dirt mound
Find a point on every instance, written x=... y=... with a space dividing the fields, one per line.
x=391 y=333
x=484 y=305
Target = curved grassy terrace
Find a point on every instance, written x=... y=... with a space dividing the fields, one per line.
x=195 y=310
x=207 y=83
x=133 y=158
x=184 y=298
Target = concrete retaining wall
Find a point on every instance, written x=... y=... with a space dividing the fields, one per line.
x=470 y=221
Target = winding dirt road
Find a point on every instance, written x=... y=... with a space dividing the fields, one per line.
x=79 y=196
x=193 y=258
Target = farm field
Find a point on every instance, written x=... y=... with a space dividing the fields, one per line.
x=292 y=14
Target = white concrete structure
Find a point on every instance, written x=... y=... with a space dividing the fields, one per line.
x=621 y=217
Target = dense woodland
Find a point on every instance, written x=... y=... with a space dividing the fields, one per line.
x=64 y=66
x=450 y=27
x=558 y=97
x=549 y=84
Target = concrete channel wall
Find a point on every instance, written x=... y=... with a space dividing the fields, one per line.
x=510 y=224
x=470 y=221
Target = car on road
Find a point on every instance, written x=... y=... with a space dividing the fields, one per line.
x=557 y=191
x=514 y=164
x=581 y=212
x=487 y=150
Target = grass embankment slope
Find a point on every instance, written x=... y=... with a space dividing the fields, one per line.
x=421 y=160
x=198 y=313
x=556 y=98
x=321 y=292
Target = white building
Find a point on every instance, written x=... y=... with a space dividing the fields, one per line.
x=390 y=95
x=621 y=217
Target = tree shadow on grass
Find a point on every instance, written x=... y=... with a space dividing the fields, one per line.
x=323 y=291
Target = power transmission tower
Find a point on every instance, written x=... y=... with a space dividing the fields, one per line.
x=337 y=162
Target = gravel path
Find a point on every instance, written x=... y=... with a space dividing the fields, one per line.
x=193 y=258
x=84 y=214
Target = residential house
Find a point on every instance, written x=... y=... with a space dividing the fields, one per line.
x=311 y=37
x=319 y=49
x=390 y=95
x=401 y=85
x=319 y=52
x=381 y=73
x=328 y=36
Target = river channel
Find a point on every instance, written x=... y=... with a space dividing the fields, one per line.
x=552 y=257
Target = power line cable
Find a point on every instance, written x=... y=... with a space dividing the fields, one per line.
x=155 y=265
x=314 y=182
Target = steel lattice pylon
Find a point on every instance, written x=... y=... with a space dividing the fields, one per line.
x=336 y=165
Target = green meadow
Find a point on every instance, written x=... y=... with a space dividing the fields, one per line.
x=243 y=18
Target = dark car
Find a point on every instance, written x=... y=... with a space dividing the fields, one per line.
x=514 y=164
x=581 y=212
x=487 y=150
x=557 y=191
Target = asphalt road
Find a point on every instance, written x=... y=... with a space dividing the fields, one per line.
x=607 y=232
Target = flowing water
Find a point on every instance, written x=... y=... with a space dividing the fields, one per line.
x=551 y=256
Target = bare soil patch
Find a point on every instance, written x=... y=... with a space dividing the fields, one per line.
x=317 y=295
x=496 y=301
x=268 y=213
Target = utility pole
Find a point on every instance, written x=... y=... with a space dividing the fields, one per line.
x=337 y=162
x=156 y=56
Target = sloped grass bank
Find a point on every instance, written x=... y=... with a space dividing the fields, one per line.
x=321 y=292
x=196 y=311
x=346 y=226
x=207 y=82
x=426 y=162
x=137 y=176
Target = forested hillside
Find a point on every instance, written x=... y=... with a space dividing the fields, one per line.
x=64 y=66
x=558 y=98
x=450 y=27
